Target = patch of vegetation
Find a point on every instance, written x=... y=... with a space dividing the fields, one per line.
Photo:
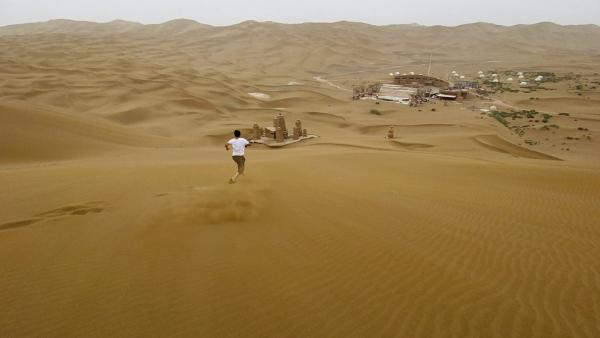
x=531 y=142
x=583 y=129
x=546 y=118
x=375 y=112
x=530 y=113
x=518 y=130
x=500 y=117
x=556 y=126
x=552 y=77
x=564 y=114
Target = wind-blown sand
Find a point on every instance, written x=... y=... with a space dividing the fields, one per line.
x=116 y=218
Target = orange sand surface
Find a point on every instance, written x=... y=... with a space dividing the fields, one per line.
x=116 y=218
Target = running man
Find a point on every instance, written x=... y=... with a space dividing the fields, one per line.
x=238 y=144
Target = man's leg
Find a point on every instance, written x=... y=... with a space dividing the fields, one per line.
x=240 y=168
x=242 y=165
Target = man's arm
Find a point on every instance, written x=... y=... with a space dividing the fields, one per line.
x=226 y=146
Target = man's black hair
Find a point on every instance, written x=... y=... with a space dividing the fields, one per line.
x=237 y=133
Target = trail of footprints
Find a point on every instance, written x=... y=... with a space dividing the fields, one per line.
x=66 y=211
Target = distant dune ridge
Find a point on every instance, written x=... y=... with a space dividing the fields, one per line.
x=116 y=218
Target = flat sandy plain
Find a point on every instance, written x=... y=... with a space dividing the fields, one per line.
x=116 y=218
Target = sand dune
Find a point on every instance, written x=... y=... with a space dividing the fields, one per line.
x=33 y=134
x=571 y=105
x=117 y=218
x=412 y=145
x=254 y=258
x=498 y=144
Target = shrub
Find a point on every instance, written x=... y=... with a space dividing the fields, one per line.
x=375 y=112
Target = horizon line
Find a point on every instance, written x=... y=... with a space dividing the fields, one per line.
x=416 y=24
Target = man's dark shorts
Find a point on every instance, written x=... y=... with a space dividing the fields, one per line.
x=240 y=161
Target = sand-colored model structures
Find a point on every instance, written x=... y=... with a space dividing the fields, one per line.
x=390 y=134
x=278 y=135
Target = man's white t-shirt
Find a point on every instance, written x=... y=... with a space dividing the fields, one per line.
x=238 y=145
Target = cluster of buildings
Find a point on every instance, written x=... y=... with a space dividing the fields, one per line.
x=415 y=89
x=520 y=77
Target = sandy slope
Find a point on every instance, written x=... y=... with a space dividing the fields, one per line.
x=116 y=218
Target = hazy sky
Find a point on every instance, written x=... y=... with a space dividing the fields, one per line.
x=226 y=12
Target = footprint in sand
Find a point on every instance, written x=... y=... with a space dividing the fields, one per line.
x=70 y=210
x=82 y=209
x=18 y=224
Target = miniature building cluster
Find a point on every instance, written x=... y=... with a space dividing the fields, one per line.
x=279 y=133
x=390 y=134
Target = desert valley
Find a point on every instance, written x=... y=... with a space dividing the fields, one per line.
x=480 y=218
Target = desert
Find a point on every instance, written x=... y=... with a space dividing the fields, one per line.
x=479 y=218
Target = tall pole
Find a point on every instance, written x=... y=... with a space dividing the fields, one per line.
x=429 y=69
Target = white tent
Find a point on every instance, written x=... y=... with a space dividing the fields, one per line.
x=523 y=84
x=462 y=77
x=495 y=81
x=510 y=79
